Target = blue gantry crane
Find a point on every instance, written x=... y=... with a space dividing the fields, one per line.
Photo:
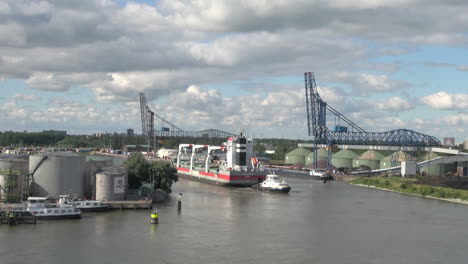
x=350 y=133
x=168 y=129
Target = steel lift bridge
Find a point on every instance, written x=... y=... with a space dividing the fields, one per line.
x=352 y=134
x=169 y=130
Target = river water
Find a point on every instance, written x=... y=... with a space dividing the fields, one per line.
x=316 y=223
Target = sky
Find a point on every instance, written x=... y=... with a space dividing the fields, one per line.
x=79 y=65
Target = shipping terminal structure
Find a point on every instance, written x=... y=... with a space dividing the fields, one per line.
x=231 y=164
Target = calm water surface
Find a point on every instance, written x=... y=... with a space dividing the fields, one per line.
x=315 y=223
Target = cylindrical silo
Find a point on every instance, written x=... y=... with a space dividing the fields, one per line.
x=344 y=158
x=395 y=159
x=112 y=184
x=57 y=173
x=370 y=158
x=322 y=155
x=297 y=156
x=12 y=172
x=94 y=164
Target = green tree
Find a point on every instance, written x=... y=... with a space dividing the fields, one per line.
x=138 y=169
x=259 y=148
x=164 y=175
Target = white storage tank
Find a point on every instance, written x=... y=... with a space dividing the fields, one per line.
x=11 y=182
x=112 y=184
x=57 y=173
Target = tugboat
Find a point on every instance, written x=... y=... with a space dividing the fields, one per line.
x=273 y=184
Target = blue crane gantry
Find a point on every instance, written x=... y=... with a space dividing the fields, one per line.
x=169 y=130
x=351 y=134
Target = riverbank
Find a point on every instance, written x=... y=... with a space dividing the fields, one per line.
x=408 y=186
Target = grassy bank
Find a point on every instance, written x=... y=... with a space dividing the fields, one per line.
x=405 y=185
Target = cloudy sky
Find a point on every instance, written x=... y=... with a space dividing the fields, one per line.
x=79 y=65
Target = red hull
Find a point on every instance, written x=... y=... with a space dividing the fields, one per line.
x=227 y=178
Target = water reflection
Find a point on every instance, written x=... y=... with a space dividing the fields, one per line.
x=153 y=231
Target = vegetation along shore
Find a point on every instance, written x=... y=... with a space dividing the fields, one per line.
x=410 y=186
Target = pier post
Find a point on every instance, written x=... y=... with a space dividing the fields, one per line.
x=179 y=203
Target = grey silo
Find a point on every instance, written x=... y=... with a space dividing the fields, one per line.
x=370 y=158
x=296 y=156
x=19 y=168
x=57 y=173
x=94 y=164
x=344 y=158
x=112 y=184
x=15 y=163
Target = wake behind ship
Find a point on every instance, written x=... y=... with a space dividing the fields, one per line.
x=232 y=163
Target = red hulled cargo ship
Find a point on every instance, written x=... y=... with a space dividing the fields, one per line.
x=231 y=164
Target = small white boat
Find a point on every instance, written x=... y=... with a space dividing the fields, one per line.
x=86 y=205
x=321 y=175
x=43 y=208
x=272 y=183
x=90 y=205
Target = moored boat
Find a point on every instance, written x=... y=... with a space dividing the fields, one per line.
x=43 y=208
x=91 y=205
x=86 y=205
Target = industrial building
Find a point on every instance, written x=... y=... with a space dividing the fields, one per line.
x=137 y=148
x=436 y=169
x=67 y=173
x=449 y=142
x=395 y=159
x=12 y=179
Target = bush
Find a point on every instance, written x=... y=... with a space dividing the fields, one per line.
x=441 y=193
x=403 y=186
x=455 y=195
x=426 y=190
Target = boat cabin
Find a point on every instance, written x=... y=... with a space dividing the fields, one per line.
x=37 y=200
x=273 y=177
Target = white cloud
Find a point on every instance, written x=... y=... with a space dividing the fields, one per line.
x=26 y=97
x=117 y=51
x=446 y=101
x=364 y=84
x=393 y=104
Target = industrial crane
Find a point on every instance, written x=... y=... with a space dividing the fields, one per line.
x=351 y=134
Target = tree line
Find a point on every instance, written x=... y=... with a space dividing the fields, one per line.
x=117 y=141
